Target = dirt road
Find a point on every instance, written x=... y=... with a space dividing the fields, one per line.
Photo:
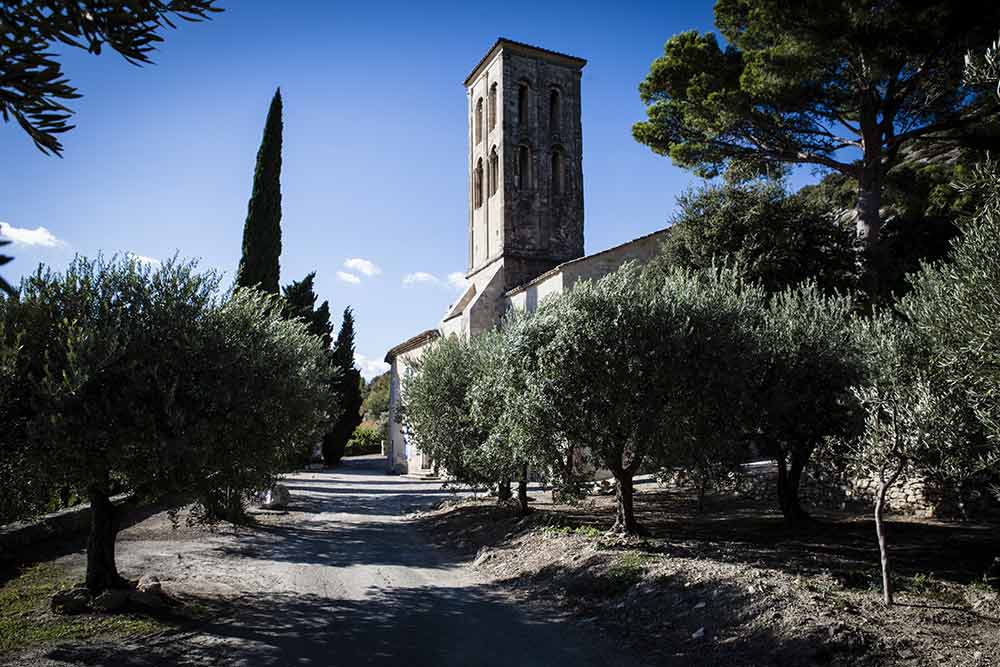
x=342 y=579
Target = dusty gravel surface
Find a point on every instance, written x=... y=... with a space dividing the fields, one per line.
x=724 y=589
x=342 y=578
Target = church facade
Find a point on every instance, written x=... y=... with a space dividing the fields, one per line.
x=525 y=224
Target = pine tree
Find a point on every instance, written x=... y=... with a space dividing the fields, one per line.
x=300 y=301
x=262 y=231
x=348 y=393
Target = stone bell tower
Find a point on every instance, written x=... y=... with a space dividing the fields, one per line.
x=525 y=161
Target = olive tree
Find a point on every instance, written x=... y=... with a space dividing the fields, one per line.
x=138 y=379
x=603 y=363
x=436 y=413
x=713 y=402
x=258 y=399
x=810 y=360
x=508 y=406
x=915 y=426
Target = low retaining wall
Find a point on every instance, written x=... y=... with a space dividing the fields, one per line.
x=820 y=488
x=16 y=538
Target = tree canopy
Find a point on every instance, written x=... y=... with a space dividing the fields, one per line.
x=771 y=237
x=117 y=376
x=35 y=90
x=842 y=86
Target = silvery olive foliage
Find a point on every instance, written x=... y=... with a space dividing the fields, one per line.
x=931 y=405
x=436 y=413
x=264 y=386
x=125 y=377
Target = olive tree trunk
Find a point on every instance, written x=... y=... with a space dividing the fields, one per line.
x=625 y=522
x=102 y=572
x=789 y=481
x=503 y=491
x=883 y=545
x=522 y=493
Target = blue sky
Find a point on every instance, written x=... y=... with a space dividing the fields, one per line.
x=374 y=165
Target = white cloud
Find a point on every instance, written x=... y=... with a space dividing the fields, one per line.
x=420 y=278
x=349 y=278
x=39 y=236
x=364 y=266
x=142 y=259
x=457 y=280
x=369 y=367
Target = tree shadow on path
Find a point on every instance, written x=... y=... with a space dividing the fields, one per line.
x=436 y=626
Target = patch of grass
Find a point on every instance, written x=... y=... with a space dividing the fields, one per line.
x=589 y=532
x=626 y=570
x=25 y=619
x=925 y=585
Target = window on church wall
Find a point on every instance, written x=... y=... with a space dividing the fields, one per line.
x=523 y=167
x=557 y=172
x=493 y=106
x=522 y=105
x=478 y=120
x=494 y=171
x=555 y=111
x=477 y=184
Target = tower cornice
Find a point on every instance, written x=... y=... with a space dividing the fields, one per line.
x=523 y=49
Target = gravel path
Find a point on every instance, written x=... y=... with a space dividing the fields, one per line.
x=343 y=578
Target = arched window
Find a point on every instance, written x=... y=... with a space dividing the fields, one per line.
x=477 y=184
x=493 y=106
x=494 y=171
x=555 y=111
x=523 y=167
x=479 y=120
x=557 y=172
x=522 y=105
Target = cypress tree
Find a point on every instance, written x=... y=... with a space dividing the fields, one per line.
x=348 y=393
x=300 y=301
x=262 y=230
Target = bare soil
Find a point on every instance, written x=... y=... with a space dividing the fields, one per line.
x=737 y=585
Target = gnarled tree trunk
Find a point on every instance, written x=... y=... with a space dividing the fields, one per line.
x=522 y=492
x=789 y=480
x=503 y=491
x=625 y=522
x=102 y=573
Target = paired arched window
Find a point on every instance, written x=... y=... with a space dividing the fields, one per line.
x=493 y=106
x=494 y=171
x=523 y=167
x=555 y=110
x=477 y=184
x=522 y=105
x=557 y=172
x=478 y=120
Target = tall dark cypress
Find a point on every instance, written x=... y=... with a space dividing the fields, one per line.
x=262 y=230
x=348 y=393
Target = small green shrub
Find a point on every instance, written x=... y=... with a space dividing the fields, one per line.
x=366 y=440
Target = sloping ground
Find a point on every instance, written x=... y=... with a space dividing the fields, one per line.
x=736 y=586
x=341 y=577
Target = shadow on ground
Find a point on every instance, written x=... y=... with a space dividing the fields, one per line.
x=751 y=532
x=419 y=626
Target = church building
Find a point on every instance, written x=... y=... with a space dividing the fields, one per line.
x=525 y=183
